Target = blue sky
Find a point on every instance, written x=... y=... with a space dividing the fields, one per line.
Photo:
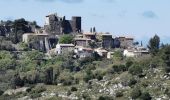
x=138 y=18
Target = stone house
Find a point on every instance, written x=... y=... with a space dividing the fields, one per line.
x=41 y=42
x=91 y=36
x=84 y=42
x=101 y=52
x=82 y=52
x=126 y=42
x=64 y=48
x=135 y=52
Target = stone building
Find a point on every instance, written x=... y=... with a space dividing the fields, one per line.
x=84 y=42
x=126 y=42
x=91 y=36
x=107 y=41
x=59 y=25
x=82 y=52
x=101 y=52
x=135 y=52
x=64 y=48
x=41 y=42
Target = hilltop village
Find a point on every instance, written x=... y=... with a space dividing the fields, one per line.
x=60 y=61
x=84 y=44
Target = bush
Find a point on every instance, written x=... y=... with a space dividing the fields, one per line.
x=49 y=76
x=66 y=78
x=55 y=98
x=38 y=89
x=136 y=92
x=98 y=74
x=89 y=75
x=17 y=81
x=66 y=39
x=129 y=63
x=135 y=69
x=119 y=94
x=68 y=92
x=1 y=92
x=35 y=95
x=119 y=68
x=105 y=98
x=146 y=96
x=132 y=81
x=86 y=96
x=73 y=89
x=118 y=55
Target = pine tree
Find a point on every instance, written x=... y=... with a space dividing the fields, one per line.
x=154 y=44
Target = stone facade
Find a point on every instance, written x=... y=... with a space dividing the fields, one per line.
x=41 y=42
x=91 y=36
x=82 y=52
x=84 y=42
x=107 y=41
x=101 y=52
x=126 y=42
x=64 y=48
x=59 y=25
x=135 y=52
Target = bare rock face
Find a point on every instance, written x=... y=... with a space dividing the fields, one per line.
x=15 y=91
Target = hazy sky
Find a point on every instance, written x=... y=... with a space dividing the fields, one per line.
x=138 y=18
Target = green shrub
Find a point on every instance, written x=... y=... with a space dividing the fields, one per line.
x=119 y=94
x=89 y=75
x=86 y=96
x=1 y=92
x=55 y=98
x=136 y=92
x=129 y=63
x=145 y=96
x=135 y=69
x=105 y=98
x=118 y=55
x=38 y=89
x=98 y=74
x=68 y=92
x=132 y=81
x=73 y=89
x=35 y=95
x=118 y=68
x=66 y=39
x=66 y=78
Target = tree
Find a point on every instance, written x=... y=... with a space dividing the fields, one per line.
x=154 y=44
x=118 y=55
x=49 y=76
x=91 y=30
x=34 y=55
x=17 y=81
x=66 y=39
x=89 y=75
x=6 y=60
x=165 y=55
x=19 y=28
x=94 y=29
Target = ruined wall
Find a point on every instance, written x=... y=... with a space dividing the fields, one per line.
x=59 y=25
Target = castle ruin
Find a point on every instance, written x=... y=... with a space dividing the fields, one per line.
x=56 y=25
